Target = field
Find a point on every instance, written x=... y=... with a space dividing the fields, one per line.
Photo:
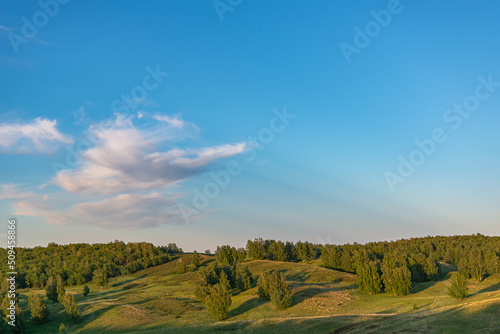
x=157 y=300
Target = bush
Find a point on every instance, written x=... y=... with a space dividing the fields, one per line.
x=264 y=286
x=100 y=278
x=61 y=291
x=86 y=290
x=38 y=308
x=459 y=286
x=196 y=259
x=181 y=267
x=369 y=278
x=51 y=289
x=272 y=286
x=244 y=278
x=62 y=329
x=281 y=294
x=397 y=280
x=218 y=301
x=71 y=308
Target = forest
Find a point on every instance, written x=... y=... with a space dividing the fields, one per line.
x=417 y=258
x=390 y=267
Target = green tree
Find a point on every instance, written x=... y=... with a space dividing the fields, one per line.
x=369 y=279
x=264 y=286
x=273 y=287
x=218 y=301
x=86 y=290
x=281 y=294
x=181 y=267
x=402 y=281
x=196 y=259
x=477 y=264
x=244 y=278
x=397 y=280
x=71 y=308
x=61 y=291
x=100 y=278
x=459 y=286
x=256 y=249
x=51 y=289
x=38 y=308
x=226 y=255
x=432 y=268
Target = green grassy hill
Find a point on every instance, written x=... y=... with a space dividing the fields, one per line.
x=157 y=300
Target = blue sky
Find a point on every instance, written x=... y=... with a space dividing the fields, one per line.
x=172 y=93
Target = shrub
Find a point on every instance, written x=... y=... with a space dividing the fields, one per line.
x=244 y=278
x=181 y=267
x=369 y=278
x=264 y=286
x=458 y=288
x=38 y=308
x=196 y=259
x=273 y=287
x=71 y=308
x=281 y=294
x=100 y=278
x=86 y=290
x=397 y=280
x=61 y=291
x=62 y=329
x=51 y=289
x=218 y=301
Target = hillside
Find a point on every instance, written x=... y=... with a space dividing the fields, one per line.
x=157 y=300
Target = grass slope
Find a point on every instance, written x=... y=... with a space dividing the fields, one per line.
x=157 y=300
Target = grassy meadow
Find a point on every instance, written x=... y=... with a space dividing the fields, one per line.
x=157 y=300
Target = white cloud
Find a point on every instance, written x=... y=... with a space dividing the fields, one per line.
x=11 y=191
x=172 y=121
x=128 y=159
x=124 y=212
x=39 y=136
x=125 y=180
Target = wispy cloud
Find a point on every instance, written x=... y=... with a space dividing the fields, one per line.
x=38 y=136
x=129 y=159
x=124 y=212
x=172 y=121
x=125 y=181
x=12 y=191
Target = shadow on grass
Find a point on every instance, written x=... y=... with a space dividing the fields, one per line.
x=246 y=306
x=491 y=288
x=123 y=282
x=421 y=286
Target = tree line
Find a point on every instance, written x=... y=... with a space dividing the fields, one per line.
x=77 y=263
x=389 y=266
